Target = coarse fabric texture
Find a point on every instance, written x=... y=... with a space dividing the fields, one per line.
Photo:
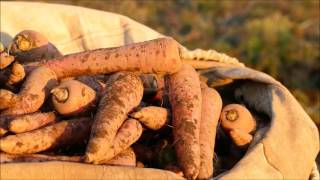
x=285 y=149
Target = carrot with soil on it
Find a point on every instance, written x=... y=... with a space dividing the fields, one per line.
x=60 y=134
x=72 y=97
x=29 y=45
x=210 y=113
x=30 y=122
x=152 y=117
x=33 y=93
x=237 y=120
x=159 y=56
x=185 y=99
x=124 y=94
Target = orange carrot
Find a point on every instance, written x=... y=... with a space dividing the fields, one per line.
x=60 y=134
x=237 y=120
x=210 y=113
x=120 y=98
x=152 y=116
x=11 y=158
x=185 y=98
x=128 y=133
x=17 y=74
x=30 y=122
x=156 y=56
x=33 y=93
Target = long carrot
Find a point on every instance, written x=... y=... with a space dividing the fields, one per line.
x=30 y=122
x=33 y=93
x=237 y=120
x=120 y=98
x=129 y=132
x=210 y=113
x=17 y=74
x=159 y=56
x=185 y=98
x=49 y=137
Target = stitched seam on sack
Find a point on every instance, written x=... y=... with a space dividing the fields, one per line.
x=121 y=31
x=265 y=155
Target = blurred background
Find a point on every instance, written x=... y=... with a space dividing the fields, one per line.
x=280 y=38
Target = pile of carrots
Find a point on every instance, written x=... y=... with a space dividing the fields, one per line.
x=136 y=105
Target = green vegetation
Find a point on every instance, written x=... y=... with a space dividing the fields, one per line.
x=280 y=38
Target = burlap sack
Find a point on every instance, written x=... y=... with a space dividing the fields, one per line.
x=285 y=149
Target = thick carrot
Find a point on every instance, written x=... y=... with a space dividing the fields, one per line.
x=237 y=116
x=210 y=113
x=237 y=120
x=185 y=98
x=33 y=93
x=60 y=134
x=155 y=56
x=159 y=56
x=30 y=45
x=30 y=122
x=80 y=171
x=120 y=98
x=152 y=116
x=72 y=97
